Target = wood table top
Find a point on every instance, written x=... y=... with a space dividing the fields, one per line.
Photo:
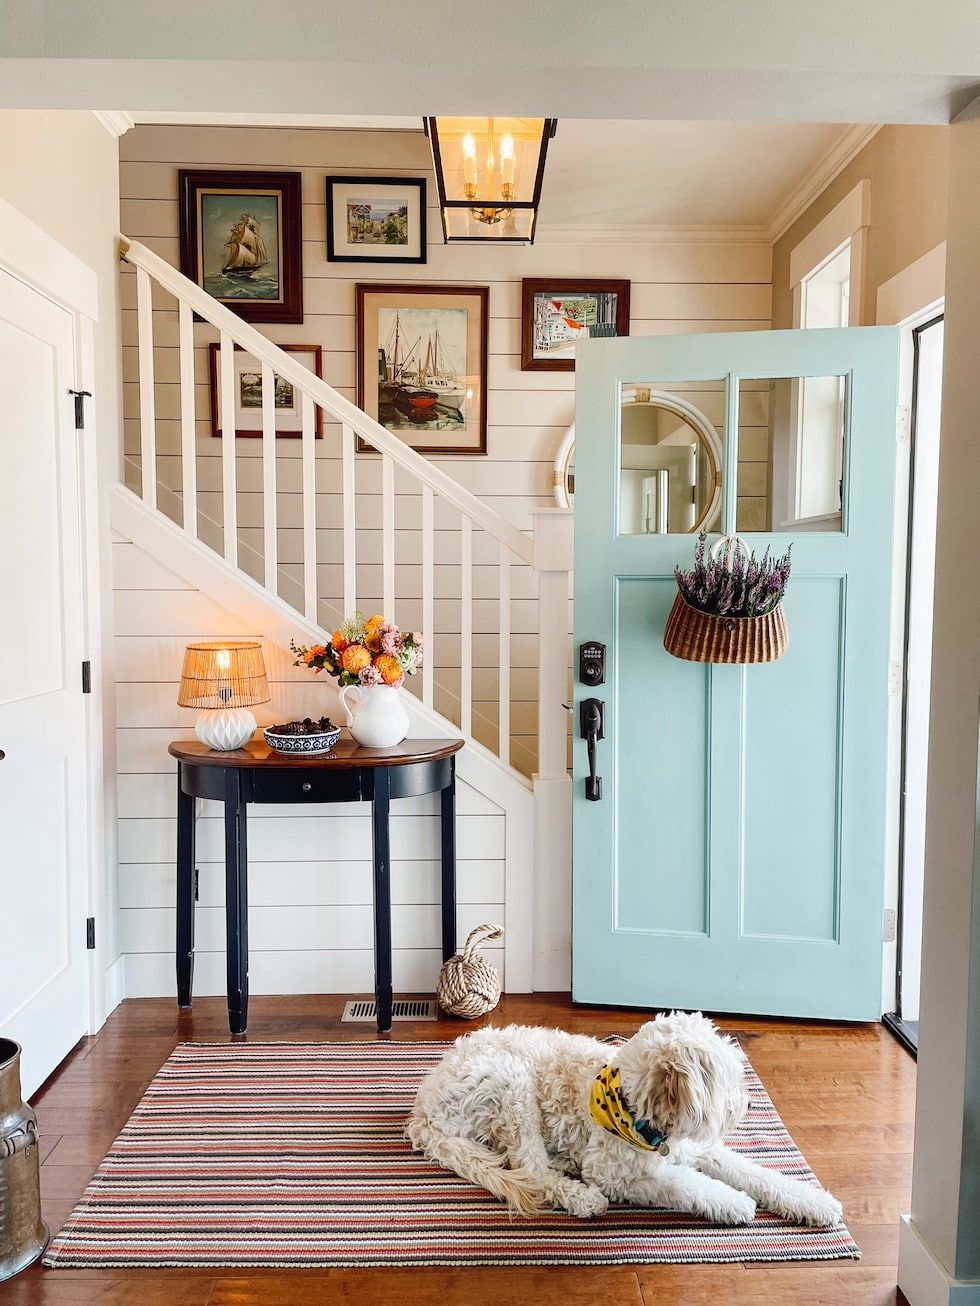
x=346 y=755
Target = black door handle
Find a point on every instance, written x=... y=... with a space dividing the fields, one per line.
x=591 y=716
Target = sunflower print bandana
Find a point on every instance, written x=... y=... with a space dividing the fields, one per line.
x=608 y=1108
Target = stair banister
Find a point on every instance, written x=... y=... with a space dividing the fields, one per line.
x=247 y=337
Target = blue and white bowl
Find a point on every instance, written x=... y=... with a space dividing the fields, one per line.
x=303 y=745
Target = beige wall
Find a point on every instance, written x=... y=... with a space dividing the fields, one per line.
x=676 y=287
x=61 y=171
x=907 y=168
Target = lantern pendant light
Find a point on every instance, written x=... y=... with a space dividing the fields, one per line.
x=489 y=173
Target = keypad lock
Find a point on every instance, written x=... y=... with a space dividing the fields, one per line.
x=592 y=663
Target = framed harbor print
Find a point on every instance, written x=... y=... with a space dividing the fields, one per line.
x=241 y=240
x=248 y=393
x=557 y=313
x=376 y=219
x=422 y=364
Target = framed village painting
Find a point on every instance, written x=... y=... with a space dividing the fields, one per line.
x=422 y=364
x=241 y=240
x=557 y=313
x=376 y=219
x=248 y=393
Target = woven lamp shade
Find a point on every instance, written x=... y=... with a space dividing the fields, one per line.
x=223 y=673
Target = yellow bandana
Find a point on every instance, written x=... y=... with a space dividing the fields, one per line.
x=608 y=1109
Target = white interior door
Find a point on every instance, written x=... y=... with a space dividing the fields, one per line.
x=43 y=775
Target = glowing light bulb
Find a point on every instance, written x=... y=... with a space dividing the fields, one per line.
x=507 y=161
x=223 y=659
x=469 y=162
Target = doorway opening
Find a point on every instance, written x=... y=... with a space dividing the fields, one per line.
x=927 y=344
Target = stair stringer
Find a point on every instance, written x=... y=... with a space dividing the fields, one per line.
x=273 y=619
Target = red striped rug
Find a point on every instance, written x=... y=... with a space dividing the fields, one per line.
x=273 y=1154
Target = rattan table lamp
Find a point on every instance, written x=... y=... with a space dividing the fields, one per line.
x=224 y=677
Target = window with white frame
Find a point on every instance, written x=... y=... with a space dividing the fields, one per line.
x=818 y=465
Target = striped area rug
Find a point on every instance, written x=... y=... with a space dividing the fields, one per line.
x=292 y=1155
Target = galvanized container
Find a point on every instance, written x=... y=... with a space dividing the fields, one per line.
x=23 y=1234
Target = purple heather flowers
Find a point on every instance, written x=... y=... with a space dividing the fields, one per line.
x=736 y=585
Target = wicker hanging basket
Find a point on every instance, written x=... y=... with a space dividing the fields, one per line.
x=699 y=636
x=468 y=985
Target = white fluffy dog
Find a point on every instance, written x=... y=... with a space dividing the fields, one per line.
x=543 y=1118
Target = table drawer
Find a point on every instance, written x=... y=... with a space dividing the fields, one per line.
x=298 y=785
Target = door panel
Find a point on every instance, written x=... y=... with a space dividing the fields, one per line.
x=44 y=974
x=735 y=859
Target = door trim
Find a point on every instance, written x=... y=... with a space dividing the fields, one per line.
x=30 y=255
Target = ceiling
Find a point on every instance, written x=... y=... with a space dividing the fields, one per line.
x=727 y=174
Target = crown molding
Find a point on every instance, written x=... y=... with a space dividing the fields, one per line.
x=643 y=234
x=849 y=144
x=114 y=121
x=334 y=122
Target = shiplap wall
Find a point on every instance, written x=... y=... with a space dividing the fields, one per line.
x=684 y=286
x=310 y=915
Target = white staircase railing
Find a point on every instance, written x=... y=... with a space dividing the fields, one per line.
x=547 y=551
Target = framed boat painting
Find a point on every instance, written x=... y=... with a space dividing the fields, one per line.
x=241 y=240
x=288 y=403
x=422 y=364
x=558 y=312
x=376 y=219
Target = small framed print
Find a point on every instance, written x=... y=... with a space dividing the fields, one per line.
x=376 y=219
x=241 y=240
x=248 y=394
x=557 y=313
x=422 y=364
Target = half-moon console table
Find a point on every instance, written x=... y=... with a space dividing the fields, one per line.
x=348 y=774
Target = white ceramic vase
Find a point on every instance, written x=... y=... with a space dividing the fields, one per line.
x=377 y=718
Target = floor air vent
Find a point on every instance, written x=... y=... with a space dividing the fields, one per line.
x=366 y=1009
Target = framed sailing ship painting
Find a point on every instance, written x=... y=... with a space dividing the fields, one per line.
x=376 y=219
x=288 y=401
x=422 y=364
x=558 y=312
x=241 y=240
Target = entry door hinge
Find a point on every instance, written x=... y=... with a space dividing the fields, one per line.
x=86 y=677
x=903 y=426
x=894 y=679
x=90 y=932
x=80 y=397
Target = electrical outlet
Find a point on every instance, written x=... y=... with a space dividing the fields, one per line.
x=890 y=925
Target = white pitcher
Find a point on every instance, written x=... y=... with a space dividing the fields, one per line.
x=378 y=718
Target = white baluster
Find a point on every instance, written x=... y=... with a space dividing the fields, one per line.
x=148 y=420
x=466 y=626
x=350 y=524
x=269 y=543
x=309 y=509
x=229 y=487
x=188 y=439
x=504 y=691
x=428 y=600
x=387 y=537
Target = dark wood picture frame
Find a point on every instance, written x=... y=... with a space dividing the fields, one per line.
x=482 y=295
x=531 y=287
x=383 y=255
x=214 y=349
x=191 y=182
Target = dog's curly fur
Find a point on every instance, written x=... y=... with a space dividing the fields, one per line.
x=508 y=1109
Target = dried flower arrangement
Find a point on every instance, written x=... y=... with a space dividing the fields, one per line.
x=734 y=584
x=371 y=652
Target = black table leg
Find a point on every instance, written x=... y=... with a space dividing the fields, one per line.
x=381 y=834
x=185 y=894
x=448 y=831
x=236 y=902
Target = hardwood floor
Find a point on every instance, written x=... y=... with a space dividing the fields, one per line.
x=846 y=1094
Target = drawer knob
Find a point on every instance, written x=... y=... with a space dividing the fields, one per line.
x=306 y=786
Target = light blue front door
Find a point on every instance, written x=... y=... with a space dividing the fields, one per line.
x=735 y=859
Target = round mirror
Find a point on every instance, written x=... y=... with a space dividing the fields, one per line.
x=670 y=478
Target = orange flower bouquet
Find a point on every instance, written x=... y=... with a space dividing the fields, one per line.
x=371 y=652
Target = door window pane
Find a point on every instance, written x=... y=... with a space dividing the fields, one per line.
x=791 y=454
x=671 y=444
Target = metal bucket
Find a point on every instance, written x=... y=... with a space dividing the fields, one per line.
x=23 y=1234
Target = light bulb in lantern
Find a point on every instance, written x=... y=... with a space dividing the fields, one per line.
x=469 y=165
x=507 y=165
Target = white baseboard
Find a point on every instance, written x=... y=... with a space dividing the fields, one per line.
x=924 y=1281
